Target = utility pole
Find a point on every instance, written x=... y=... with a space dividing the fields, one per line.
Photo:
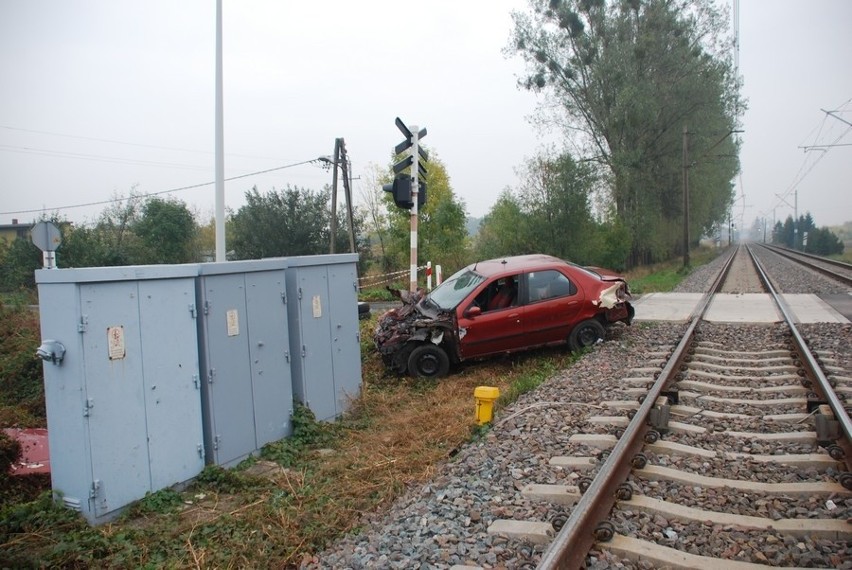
x=334 y=196
x=220 y=143
x=340 y=159
x=685 y=199
x=345 y=167
x=795 y=217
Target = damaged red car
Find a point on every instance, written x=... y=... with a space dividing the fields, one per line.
x=500 y=306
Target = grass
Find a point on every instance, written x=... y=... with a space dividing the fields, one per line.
x=299 y=495
x=664 y=277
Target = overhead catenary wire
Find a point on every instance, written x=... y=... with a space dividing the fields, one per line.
x=148 y=194
x=807 y=164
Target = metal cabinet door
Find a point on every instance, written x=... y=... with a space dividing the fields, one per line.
x=269 y=345
x=229 y=376
x=345 y=345
x=114 y=394
x=170 y=364
x=317 y=367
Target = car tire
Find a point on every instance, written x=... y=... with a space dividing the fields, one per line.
x=428 y=361
x=586 y=334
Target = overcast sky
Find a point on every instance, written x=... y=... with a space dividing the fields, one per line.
x=101 y=96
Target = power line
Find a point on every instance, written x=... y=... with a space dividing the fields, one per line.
x=146 y=195
x=112 y=141
x=806 y=168
x=96 y=157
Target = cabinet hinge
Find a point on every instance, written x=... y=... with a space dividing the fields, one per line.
x=83 y=325
x=88 y=405
x=95 y=489
x=210 y=374
x=192 y=310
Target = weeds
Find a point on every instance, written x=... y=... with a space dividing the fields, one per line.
x=302 y=493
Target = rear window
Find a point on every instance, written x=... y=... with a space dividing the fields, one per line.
x=548 y=284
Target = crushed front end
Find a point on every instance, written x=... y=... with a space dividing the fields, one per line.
x=401 y=329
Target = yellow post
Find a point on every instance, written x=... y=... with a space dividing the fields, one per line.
x=485 y=396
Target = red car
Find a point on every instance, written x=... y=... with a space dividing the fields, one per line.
x=501 y=306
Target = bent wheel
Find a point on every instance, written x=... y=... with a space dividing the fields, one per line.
x=428 y=361
x=586 y=334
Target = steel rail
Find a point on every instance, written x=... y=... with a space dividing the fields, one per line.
x=828 y=260
x=812 y=367
x=577 y=536
x=794 y=256
x=573 y=542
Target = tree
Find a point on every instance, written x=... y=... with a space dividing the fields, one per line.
x=374 y=212
x=625 y=78
x=551 y=213
x=289 y=222
x=441 y=234
x=20 y=259
x=167 y=232
x=504 y=231
x=555 y=191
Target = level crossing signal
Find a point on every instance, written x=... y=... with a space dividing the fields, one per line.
x=402 y=186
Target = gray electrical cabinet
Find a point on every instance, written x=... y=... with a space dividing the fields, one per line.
x=324 y=334
x=122 y=384
x=245 y=357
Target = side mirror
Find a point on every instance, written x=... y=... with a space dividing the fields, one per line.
x=473 y=312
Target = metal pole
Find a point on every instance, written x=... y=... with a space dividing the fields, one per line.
x=346 y=166
x=334 y=196
x=685 y=200
x=220 y=143
x=415 y=186
x=796 y=217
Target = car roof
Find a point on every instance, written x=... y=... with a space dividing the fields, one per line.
x=516 y=264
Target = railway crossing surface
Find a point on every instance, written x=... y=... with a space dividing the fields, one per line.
x=744 y=307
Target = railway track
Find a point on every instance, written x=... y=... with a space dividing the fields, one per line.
x=698 y=445
x=717 y=403
x=837 y=270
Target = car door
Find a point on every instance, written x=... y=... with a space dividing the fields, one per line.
x=553 y=304
x=483 y=331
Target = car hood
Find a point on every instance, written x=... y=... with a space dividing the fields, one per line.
x=415 y=320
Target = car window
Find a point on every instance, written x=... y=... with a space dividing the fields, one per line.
x=548 y=284
x=501 y=293
x=452 y=291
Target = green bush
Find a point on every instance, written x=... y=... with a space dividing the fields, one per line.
x=21 y=374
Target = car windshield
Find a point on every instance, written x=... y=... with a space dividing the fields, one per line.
x=452 y=291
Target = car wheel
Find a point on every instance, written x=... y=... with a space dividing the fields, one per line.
x=586 y=334
x=428 y=361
